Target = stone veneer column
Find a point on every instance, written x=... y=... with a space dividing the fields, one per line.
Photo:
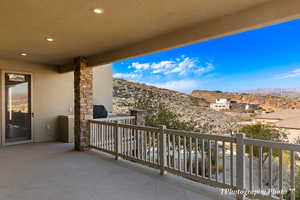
x=83 y=96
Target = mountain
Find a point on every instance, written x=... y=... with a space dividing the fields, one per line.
x=189 y=109
x=266 y=101
x=281 y=92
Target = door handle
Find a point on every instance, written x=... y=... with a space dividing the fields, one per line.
x=32 y=115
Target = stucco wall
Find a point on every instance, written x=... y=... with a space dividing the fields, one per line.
x=53 y=95
x=103 y=86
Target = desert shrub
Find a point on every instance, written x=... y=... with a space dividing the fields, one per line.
x=159 y=114
x=263 y=132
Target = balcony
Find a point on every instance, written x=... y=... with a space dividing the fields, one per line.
x=124 y=162
x=257 y=168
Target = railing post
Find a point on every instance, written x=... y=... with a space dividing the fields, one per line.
x=117 y=141
x=240 y=165
x=162 y=151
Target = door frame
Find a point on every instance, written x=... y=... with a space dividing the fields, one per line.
x=3 y=72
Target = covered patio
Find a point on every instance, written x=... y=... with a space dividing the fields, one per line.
x=55 y=48
x=49 y=171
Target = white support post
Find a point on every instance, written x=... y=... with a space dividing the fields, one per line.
x=117 y=141
x=162 y=151
x=240 y=165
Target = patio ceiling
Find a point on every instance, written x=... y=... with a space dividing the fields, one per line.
x=125 y=28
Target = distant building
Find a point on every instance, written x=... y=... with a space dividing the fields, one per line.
x=221 y=104
x=228 y=104
x=243 y=107
x=287 y=120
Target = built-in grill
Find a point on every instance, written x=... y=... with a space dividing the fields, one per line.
x=99 y=111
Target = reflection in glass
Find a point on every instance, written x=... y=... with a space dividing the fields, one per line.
x=18 y=107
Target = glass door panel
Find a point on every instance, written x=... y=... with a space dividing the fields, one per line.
x=17 y=107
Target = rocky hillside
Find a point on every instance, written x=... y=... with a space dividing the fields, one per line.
x=189 y=109
x=266 y=101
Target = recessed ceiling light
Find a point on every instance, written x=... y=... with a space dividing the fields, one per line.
x=24 y=54
x=49 y=39
x=98 y=10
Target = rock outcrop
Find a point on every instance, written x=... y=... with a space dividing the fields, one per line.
x=189 y=109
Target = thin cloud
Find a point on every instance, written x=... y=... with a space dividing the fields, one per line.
x=205 y=69
x=126 y=75
x=181 y=66
x=290 y=74
x=185 y=86
x=139 y=66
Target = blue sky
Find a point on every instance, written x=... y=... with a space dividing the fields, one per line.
x=264 y=58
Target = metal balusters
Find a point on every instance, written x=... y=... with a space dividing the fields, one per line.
x=217 y=160
x=260 y=159
x=117 y=142
x=168 y=149
x=292 y=175
x=162 y=150
x=102 y=136
x=135 y=143
x=190 y=156
x=240 y=164
x=140 y=144
x=270 y=170
x=92 y=139
x=121 y=140
x=146 y=146
x=98 y=135
x=231 y=165
x=224 y=162
x=209 y=159
x=92 y=136
x=132 y=148
x=197 y=158
x=174 y=149
x=126 y=142
x=158 y=148
x=130 y=142
x=109 y=138
x=281 y=174
x=184 y=153
x=251 y=168
x=179 y=152
x=153 y=147
x=203 y=157
x=105 y=137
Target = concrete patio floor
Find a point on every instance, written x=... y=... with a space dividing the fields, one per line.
x=52 y=171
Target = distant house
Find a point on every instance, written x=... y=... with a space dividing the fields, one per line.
x=243 y=107
x=287 y=120
x=221 y=104
x=228 y=104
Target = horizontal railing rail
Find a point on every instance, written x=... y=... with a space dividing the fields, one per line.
x=119 y=119
x=223 y=161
